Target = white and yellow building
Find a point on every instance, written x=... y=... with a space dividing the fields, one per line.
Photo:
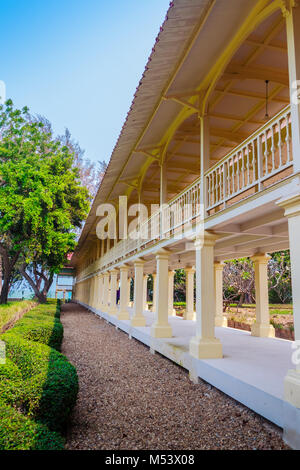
x=214 y=127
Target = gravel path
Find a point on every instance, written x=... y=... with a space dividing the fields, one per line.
x=131 y=399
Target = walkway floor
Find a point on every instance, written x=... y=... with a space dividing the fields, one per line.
x=131 y=399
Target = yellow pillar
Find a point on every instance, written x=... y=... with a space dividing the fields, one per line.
x=101 y=291
x=293 y=46
x=138 y=318
x=95 y=291
x=204 y=345
x=291 y=205
x=98 y=291
x=189 y=296
x=128 y=291
x=145 y=291
x=123 y=311
x=262 y=326
x=91 y=291
x=105 y=291
x=154 y=292
x=220 y=319
x=171 y=309
x=161 y=327
x=113 y=292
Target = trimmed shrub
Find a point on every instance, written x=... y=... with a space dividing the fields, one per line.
x=49 y=384
x=9 y=370
x=41 y=329
x=12 y=311
x=37 y=380
x=41 y=325
x=18 y=432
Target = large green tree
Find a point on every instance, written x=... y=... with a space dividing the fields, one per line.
x=41 y=199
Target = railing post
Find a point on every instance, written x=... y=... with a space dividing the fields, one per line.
x=224 y=184
x=293 y=36
x=259 y=162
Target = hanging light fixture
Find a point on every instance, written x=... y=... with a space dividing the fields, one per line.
x=267 y=100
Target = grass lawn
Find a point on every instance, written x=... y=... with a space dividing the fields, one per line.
x=12 y=308
x=275 y=309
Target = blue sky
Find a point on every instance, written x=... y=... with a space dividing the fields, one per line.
x=78 y=62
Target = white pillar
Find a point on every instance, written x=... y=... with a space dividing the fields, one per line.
x=220 y=318
x=92 y=290
x=262 y=325
x=204 y=345
x=113 y=292
x=293 y=43
x=145 y=292
x=161 y=327
x=95 y=293
x=128 y=292
x=100 y=301
x=123 y=311
x=98 y=291
x=138 y=318
x=154 y=292
x=105 y=292
x=292 y=211
x=171 y=309
x=189 y=294
x=101 y=295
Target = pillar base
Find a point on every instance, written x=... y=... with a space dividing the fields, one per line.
x=204 y=348
x=221 y=321
x=292 y=387
x=138 y=321
x=189 y=316
x=123 y=315
x=112 y=312
x=263 y=330
x=161 y=331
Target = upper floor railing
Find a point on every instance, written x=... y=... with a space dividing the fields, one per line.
x=252 y=165
x=261 y=160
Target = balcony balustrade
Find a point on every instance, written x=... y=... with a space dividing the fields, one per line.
x=263 y=159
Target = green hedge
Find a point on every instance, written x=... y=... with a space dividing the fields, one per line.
x=41 y=327
x=18 y=432
x=37 y=378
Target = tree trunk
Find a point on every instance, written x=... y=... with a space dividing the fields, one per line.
x=4 y=291
x=35 y=283
x=42 y=298
x=0 y=274
x=8 y=265
x=47 y=285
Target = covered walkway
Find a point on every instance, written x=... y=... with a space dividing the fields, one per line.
x=252 y=369
x=130 y=399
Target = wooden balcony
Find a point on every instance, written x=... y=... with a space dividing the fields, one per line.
x=260 y=161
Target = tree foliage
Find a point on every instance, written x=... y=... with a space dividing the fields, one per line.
x=41 y=197
x=90 y=173
x=280 y=282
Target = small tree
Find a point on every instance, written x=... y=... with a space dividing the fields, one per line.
x=91 y=174
x=279 y=270
x=179 y=285
x=239 y=281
